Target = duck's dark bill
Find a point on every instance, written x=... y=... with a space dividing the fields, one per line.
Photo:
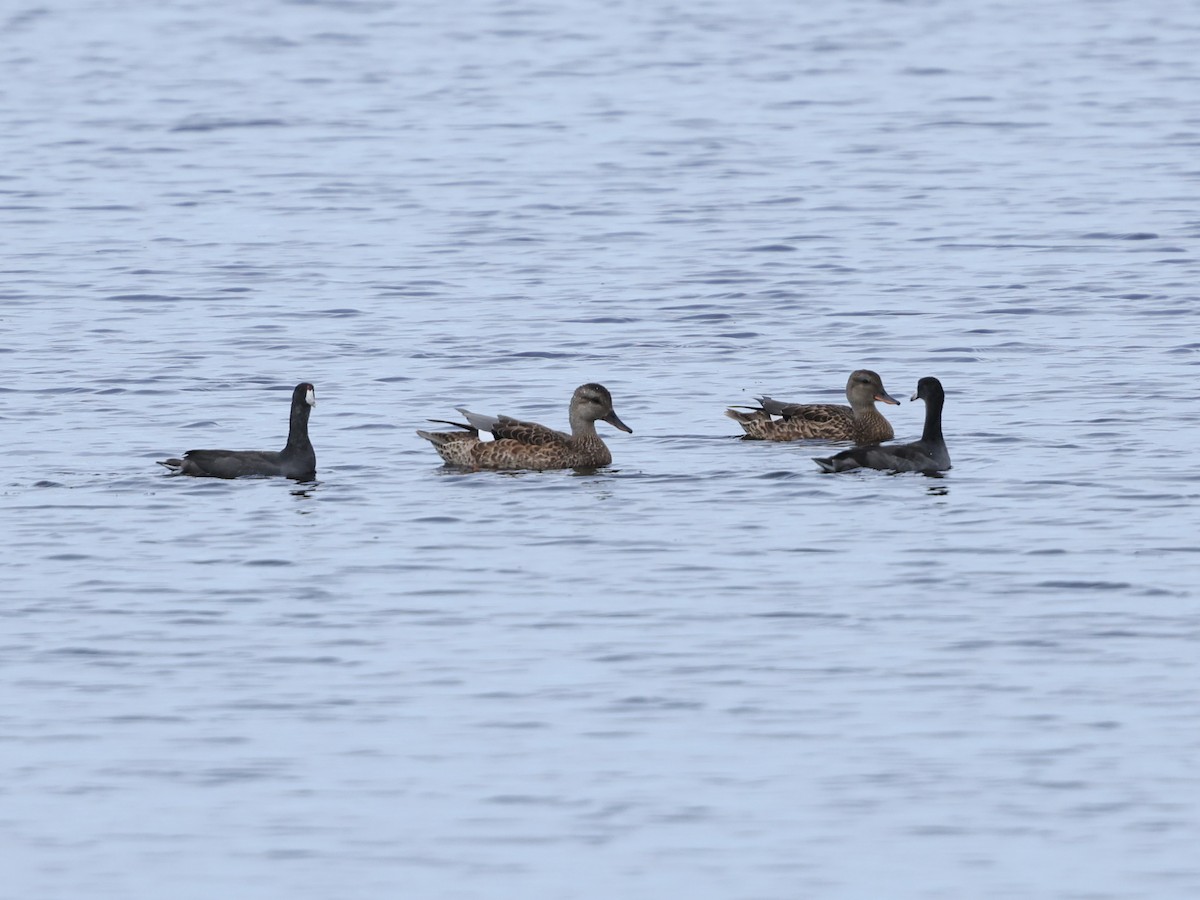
x=615 y=422
x=887 y=398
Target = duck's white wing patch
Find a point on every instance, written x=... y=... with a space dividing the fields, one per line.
x=484 y=424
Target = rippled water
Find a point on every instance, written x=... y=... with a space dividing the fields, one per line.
x=711 y=671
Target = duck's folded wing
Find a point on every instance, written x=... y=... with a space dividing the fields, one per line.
x=817 y=413
x=526 y=432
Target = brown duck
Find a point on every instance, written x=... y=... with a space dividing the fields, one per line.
x=527 y=445
x=860 y=422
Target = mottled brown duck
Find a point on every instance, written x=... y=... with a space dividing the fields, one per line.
x=527 y=445
x=860 y=422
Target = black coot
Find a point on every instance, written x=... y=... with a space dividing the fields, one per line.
x=296 y=460
x=929 y=454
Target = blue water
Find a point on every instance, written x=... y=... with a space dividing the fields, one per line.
x=710 y=671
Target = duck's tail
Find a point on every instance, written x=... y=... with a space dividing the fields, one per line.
x=442 y=438
x=745 y=415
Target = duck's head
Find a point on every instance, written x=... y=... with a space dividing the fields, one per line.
x=865 y=387
x=592 y=402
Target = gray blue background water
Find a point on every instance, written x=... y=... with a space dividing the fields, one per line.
x=711 y=672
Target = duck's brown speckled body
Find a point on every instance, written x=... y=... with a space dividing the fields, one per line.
x=527 y=445
x=859 y=422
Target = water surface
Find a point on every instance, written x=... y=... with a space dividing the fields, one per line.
x=709 y=671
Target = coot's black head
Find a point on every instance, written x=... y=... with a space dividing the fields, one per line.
x=929 y=388
x=304 y=393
